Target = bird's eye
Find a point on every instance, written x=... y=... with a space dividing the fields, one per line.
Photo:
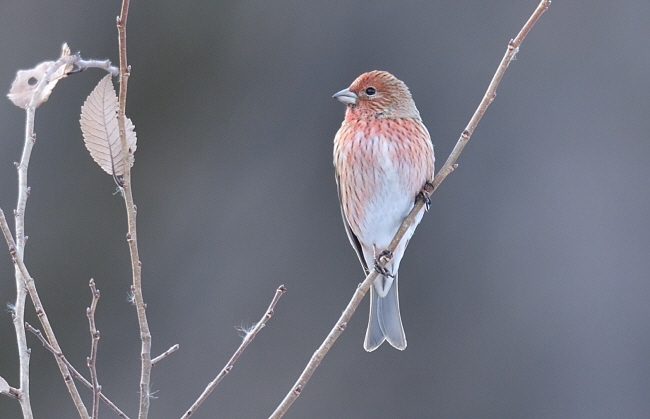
x=370 y=91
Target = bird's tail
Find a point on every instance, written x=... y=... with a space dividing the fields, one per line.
x=385 y=322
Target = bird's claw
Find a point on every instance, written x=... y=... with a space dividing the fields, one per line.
x=382 y=270
x=424 y=195
x=379 y=267
x=425 y=199
x=384 y=254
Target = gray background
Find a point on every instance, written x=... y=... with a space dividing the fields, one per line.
x=524 y=291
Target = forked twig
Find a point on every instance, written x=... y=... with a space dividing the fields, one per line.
x=447 y=168
x=52 y=345
x=9 y=391
x=248 y=338
x=73 y=371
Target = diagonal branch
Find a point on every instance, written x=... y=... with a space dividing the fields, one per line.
x=248 y=338
x=322 y=350
x=447 y=168
x=76 y=374
x=490 y=94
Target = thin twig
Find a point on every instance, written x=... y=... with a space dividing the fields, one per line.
x=248 y=338
x=164 y=354
x=28 y=282
x=82 y=65
x=92 y=359
x=136 y=266
x=76 y=374
x=322 y=350
x=447 y=168
x=19 y=219
x=21 y=291
x=490 y=94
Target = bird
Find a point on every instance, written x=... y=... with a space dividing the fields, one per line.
x=383 y=157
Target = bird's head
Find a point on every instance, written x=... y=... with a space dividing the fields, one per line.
x=378 y=94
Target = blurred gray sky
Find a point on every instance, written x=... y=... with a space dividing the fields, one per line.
x=524 y=290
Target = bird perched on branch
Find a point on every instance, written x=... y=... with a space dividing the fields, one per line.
x=383 y=157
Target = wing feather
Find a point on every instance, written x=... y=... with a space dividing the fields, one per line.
x=354 y=240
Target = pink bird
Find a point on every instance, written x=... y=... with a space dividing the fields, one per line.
x=383 y=157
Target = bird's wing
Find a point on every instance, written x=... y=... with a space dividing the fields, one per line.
x=351 y=236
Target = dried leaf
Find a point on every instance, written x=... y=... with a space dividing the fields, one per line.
x=26 y=82
x=101 y=132
x=4 y=386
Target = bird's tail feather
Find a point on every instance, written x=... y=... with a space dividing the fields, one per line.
x=385 y=322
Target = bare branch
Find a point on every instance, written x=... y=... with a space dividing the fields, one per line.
x=322 y=350
x=136 y=265
x=248 y=338
x=92 y=359
x=164 y=354
x=490 y=94
x=19 y=248
x=447 y=168
x=76 y=374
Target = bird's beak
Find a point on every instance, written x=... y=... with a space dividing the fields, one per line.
x=346 y=96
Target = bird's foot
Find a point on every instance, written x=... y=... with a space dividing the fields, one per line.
x=379 y=267
x=424 y=195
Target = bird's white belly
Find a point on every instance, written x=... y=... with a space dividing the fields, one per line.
x=389 y=202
